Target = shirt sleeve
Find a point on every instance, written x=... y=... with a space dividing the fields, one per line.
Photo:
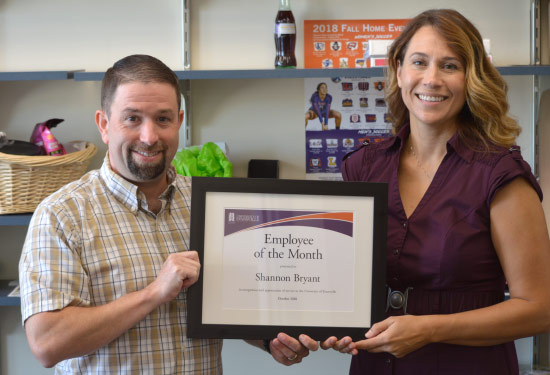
x=508 y=168
x=51 y=275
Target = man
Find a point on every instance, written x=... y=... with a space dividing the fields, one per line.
x=106 y=261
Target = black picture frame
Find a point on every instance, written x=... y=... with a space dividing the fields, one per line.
x=206 y=190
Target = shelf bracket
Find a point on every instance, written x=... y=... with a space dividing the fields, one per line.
x=185 y=85
x=185 y=88
x=186 y=34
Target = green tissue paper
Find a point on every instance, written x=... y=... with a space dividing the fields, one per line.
x=207 y=161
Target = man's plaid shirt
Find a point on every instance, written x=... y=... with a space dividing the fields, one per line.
x=92 y=242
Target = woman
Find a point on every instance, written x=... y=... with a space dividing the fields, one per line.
x=465 y=217
x=320 y=108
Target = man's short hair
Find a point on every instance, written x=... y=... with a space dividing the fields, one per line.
x=136 y=68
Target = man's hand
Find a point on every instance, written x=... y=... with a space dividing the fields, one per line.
x=288 y=351
x=180 y=270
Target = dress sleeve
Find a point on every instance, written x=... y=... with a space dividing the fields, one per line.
x=51 y=275
x=508 y=168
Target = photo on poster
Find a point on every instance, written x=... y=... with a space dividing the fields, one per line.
x=340 y=114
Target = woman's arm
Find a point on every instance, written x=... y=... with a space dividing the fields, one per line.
x=520 y=237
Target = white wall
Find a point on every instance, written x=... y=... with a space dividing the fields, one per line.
x=260 y=118
x=241 y=35
x=91 y=35
x=250 y=114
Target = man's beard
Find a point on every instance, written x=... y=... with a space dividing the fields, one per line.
x=149 y=171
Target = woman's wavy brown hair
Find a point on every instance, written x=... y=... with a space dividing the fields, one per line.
x=484 y=118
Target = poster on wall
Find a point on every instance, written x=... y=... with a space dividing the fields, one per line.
x=343 y=112
x=345 y=43
x=340 y=114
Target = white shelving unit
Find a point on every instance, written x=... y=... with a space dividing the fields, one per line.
x=235 y=99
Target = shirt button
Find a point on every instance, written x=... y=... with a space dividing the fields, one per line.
x=396 y=252
x=388 y=361
x=405 y=224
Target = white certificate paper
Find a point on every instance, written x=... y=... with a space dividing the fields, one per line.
x=297 y=260
x=287 y=260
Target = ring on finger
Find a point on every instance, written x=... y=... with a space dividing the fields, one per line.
x=293 y=358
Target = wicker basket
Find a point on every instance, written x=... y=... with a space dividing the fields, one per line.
x=26 y=180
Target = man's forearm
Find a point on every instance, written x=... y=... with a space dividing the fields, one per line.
x=75 y=331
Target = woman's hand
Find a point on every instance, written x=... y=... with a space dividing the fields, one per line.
x=397 y=335
x=344 y=345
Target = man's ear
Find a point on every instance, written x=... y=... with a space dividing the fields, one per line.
x=102 y=122
x=180 y=118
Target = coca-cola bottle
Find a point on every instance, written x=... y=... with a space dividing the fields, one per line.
x=285 y=36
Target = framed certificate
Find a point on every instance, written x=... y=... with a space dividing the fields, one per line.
x=293 y=256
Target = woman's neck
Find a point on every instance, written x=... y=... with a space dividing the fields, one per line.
x=429 y=144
